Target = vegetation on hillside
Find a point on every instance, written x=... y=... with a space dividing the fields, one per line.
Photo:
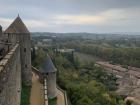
x=86 y=84
x=123 y=56
x=38 y=57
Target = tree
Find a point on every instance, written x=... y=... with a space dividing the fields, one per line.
x=40 y=56
x=85 y=101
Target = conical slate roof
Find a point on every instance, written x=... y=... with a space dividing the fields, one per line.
x=17 y=27
x=48 y=66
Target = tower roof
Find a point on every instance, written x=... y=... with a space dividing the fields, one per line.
x=47 y=65
x=17 y=27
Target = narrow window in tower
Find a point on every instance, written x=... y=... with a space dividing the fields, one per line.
x=25 y=66
x=24 y=49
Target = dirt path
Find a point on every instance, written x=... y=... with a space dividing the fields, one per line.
x=36 y=91
x=60 y=98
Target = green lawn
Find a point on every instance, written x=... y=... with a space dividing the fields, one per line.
x=25 y=95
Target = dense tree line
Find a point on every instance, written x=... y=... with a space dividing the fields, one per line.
x=37 y=57
x=123 y=56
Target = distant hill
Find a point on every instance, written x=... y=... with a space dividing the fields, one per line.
x=89 y=35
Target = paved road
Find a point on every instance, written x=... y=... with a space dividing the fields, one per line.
x=37 y=95
x=120 y=69
x=136 y=101
x=60 y=98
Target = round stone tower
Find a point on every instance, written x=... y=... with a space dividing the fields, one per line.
x=19 y=33
x=48 y=71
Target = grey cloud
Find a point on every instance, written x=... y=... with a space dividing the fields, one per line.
x=44 y=10
x=75 y=6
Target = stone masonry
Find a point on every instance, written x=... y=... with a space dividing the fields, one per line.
x=10 y=78
x=15 y=65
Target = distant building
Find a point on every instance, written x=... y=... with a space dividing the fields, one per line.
x=47 y=40
x=36 y=48
x=64 y=50
x=39 y=44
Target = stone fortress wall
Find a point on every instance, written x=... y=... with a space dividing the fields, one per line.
x=10 y=77
x=15 y=61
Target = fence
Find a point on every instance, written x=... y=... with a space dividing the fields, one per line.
x=45 y=92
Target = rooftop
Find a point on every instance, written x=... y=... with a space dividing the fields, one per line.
x=17 y=27
x=47 y=65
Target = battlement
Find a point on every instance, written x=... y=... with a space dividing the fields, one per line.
x=10 y=77
x=7 y=57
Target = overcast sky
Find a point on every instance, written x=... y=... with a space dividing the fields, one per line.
x=102 y=16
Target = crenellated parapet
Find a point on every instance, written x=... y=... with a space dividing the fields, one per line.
x=10 y=77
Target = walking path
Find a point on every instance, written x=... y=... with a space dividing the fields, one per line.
x=37 y=95
x=60 y=98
